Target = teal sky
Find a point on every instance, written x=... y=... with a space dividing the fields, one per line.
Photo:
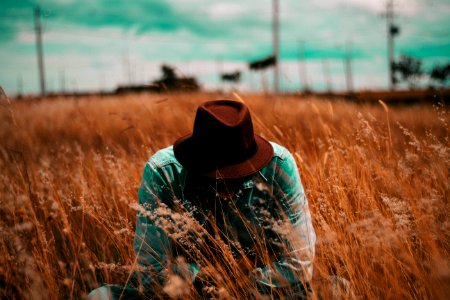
x=92 y=45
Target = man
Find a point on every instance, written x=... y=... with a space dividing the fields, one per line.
x=222 y=212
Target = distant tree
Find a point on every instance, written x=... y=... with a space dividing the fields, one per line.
x=232 y=77
x=263 y=63
x=170 y=81
x=410 y=69
x=168 y=73
x=441 y=74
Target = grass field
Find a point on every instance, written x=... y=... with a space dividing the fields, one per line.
x=376 y=177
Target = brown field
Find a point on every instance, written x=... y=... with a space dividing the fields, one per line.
x=377 y=181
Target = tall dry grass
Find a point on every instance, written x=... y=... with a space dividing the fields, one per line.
x=376 y=178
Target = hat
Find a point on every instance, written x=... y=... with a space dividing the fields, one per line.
x=222 y=144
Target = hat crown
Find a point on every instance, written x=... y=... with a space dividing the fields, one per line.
x=223 y=144
x=224 y=129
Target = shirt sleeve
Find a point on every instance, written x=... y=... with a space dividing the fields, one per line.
x=295 y=267
x=152 y=245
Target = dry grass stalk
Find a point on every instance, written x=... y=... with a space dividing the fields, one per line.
x=71 y=169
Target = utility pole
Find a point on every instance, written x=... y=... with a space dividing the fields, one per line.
x=101 y=82
x=219 y=70
x=276 y=45
x=348 y=67
x=129 y=72
x=40 y=55
x=302 y=67
x=19 y=85
x=62 y=80
x=74 y=86
x=392 y=30
x=327 y=75
x=127 y=67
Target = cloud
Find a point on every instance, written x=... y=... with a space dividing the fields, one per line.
x=223 y=10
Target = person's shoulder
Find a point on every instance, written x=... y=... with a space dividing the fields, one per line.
x=279 y=151
x=164 y=157
x=282 y=162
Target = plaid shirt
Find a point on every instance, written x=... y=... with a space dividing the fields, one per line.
x=277 y=187
x=272 y=202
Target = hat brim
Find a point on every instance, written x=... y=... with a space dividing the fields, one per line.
x=190 y=157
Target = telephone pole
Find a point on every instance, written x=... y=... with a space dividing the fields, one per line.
x=327 y=75
x=302 y=67
x=62 y=81
x=392 y=30
x=348 y=67
x=19 y=85
x=219 y=70
x=40 y=55
x=276 y=45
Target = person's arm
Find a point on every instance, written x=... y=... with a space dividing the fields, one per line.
x=295 y=267
x=152 y=244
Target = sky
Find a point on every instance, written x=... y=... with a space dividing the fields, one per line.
x=92 y=45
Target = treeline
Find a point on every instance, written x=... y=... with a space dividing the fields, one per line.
x=410 y=70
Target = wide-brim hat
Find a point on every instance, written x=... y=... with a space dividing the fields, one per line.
x=223 y=143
